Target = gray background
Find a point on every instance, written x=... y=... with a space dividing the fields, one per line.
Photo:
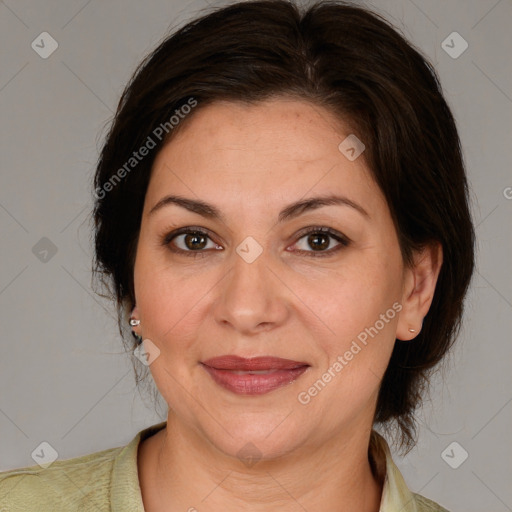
x=63 y=375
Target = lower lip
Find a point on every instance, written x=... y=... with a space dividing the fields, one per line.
x=254 y=384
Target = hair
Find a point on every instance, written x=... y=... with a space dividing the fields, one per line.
x=350 y=61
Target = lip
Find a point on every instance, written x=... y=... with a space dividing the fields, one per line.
x=236 y=374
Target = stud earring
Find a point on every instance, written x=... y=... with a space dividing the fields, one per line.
x=134 y=323
x=412 y=330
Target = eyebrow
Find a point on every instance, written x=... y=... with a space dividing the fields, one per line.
x=290 y=212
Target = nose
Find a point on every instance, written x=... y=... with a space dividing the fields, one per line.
x=251 y=297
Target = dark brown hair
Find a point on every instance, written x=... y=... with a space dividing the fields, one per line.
x=350 y=61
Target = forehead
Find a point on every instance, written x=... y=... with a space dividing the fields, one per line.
x=230 y=152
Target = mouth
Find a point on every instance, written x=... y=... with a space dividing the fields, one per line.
x=255 y=376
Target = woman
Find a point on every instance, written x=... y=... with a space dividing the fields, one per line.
x=281 y=210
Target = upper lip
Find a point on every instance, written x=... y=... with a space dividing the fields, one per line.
x=231 y=362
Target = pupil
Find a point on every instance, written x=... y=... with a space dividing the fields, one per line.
x=315 y=237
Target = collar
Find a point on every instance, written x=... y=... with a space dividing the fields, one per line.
x=395 y=493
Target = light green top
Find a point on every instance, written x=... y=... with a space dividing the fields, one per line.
x=108 y=481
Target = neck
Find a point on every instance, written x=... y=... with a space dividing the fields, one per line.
x=183 y=471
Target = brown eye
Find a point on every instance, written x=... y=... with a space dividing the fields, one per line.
x=319 y=239
x=194 y=241
x=189 y=241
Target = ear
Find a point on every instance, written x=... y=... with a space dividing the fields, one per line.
x=418 y=290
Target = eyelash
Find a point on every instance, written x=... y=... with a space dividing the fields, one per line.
x=343 y=240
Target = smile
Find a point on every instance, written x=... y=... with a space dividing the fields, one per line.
x=255 y=376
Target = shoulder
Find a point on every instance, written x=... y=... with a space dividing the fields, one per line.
x=426 y=505
x=81 y=483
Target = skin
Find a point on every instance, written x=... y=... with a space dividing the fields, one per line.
x=251 y=162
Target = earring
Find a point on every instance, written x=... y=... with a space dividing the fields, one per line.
x=412 y=330
x=135 y=322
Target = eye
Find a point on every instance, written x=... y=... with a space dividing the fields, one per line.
x=319 y=238
x=189 y=241
x=192 y=241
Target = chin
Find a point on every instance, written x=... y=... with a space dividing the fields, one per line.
x=265 y=438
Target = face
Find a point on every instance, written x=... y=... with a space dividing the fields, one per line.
x=320 y=286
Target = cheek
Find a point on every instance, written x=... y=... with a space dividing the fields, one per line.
x=169 y=306
x=355 y=295
x=165 y=297
x=361 y=335
x=353 y=354
x=359 y=310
